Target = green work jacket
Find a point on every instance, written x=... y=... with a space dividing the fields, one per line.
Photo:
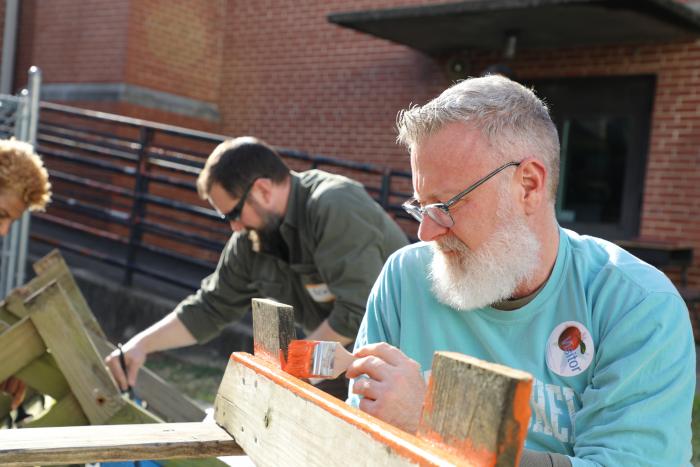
x=338 y=238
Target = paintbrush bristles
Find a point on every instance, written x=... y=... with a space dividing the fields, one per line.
x=299 y=358
x=316 y=359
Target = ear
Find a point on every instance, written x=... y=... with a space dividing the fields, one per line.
x=263 y=191
x=532 y=178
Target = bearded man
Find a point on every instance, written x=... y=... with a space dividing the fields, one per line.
x=606 y=336
x=313 y=240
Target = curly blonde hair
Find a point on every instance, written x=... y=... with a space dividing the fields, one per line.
x=23 y=173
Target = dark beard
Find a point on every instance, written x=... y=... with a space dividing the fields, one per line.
x=270 y=237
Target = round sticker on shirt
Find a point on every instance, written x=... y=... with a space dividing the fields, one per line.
x=569 y=349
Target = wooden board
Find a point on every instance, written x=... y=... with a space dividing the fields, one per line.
x=46 y=446
x=163 y=399
x=478 y=410
x=44 y=376
x=65 y=412
x=81 y=365
x=273 y=329
x=19 y=346
x=280 y=420
x=53 y=267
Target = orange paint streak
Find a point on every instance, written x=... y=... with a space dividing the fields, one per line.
x=401 y=443
x=521 y=415
x=464 y=448
x=300 y=356
x=515 y=432
x=276 y=357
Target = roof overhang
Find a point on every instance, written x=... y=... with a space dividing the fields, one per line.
x=485 y=24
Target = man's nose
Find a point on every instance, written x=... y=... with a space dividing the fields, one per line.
x=430 y=230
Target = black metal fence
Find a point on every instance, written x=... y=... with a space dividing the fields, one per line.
x=124 y=191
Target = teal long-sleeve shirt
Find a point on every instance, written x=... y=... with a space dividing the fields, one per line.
x=337 y=239
x=607 y=339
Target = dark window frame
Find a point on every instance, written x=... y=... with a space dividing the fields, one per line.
x=620 y=96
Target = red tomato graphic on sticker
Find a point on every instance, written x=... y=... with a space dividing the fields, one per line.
x=570 y=339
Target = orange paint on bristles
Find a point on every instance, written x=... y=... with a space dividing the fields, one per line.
x=300 y=355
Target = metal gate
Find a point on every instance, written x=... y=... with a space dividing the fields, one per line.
x=19 y=116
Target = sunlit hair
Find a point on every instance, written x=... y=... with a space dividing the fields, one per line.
x=235 y=163
x=23 y=173
x=513 y=120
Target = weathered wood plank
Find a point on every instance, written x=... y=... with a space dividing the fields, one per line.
x=44 y=376
x=19 y=346
x=65 y=412
x=163 y=399
x=48 y=446
x=280 y=420
x=53 y=267
x=81 y=365
x=5 y=314
x=131 y=413
x=476 y=409
x=273 y=329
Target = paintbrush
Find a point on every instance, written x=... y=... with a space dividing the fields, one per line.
x=316 y=359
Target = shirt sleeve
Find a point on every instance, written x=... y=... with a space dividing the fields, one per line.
x=350 y=251
x=223 y=297
x=637 y=408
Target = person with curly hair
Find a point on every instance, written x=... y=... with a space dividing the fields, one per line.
x=24 y=185
x=24 y=182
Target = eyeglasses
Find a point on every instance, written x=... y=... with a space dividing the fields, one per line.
x=440 y=212
x=235 y=214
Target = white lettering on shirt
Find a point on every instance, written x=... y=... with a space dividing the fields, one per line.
x=554 y=411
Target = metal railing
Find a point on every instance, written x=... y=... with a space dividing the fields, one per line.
x=124 y=191
x=18 y=119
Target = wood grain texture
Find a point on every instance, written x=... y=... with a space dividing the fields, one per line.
x=478 y=410
x=273 y=329
x=53 y=267
x=65 y=412
x=44 y=376
x=19 y=346
x=46 y=446
x=163 y=399
x=76 y=356
x=280 y=420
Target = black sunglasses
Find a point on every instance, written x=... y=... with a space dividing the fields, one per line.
x=234 y=214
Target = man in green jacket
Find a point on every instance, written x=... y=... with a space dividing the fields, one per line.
x=312 y=240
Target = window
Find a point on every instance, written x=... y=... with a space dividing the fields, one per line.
x=603 y=128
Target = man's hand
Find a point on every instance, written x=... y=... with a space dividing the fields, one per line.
x=134 y=357
x=168 y=333
x=16 y=388
x=395 y=388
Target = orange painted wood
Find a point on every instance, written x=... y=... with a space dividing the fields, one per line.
x=478 y=410
x=273 y=329
x=277 y=418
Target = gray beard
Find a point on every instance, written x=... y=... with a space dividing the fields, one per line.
x=466 y=280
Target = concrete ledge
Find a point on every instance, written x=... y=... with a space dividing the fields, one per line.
x=132 y=94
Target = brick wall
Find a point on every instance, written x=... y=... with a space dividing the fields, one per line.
x=295 y=79
x=74 y=42
x=176 y=47
x=279 y=70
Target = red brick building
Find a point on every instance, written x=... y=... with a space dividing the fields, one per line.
x=621 y=78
